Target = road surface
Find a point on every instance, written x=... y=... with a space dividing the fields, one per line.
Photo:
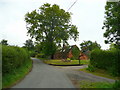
x=77 y=76
x=44 y=76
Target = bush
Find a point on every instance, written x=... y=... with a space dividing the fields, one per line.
x=13 y=57
x=106 y=59
x=116 y=84
x=90 y=68
x=32 y=53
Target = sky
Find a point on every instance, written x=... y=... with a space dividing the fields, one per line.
x=87 y=15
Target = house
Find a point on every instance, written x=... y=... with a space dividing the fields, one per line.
x=68 y=54
x=83 y=56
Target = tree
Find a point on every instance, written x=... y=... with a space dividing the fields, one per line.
x=112 y=23
x=75 y=52
x=29 y=44
x=4 y=42
x=112 y=46
x=51 y=26
x=88 y=46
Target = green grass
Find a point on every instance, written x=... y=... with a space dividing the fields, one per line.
x=60 y=62
x=88 y=84
x=85 y=61
x=12 y=78
x=100 y=72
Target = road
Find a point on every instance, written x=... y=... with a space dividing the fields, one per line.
x=76 y=76
x=44 y=76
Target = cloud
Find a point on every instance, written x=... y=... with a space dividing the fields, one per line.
x=87 y=16
x=15 y=33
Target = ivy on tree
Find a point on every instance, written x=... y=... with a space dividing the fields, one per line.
x=112 y=23
x=51 y=26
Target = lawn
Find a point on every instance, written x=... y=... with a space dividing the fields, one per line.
x=60 y=62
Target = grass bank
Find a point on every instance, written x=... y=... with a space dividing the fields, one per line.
x=12 y=78
x=88 y=84
x=60 y=62
x=100 y=72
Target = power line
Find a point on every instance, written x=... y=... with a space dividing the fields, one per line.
x=72 y=5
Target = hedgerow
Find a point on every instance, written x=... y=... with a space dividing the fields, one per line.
x=13 y=57
x=106 y=59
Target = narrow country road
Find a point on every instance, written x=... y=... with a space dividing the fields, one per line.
x=44 y=76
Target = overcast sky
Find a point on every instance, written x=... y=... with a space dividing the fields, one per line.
x=88 y=16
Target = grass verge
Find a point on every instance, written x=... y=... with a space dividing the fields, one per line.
x=60 y=62
x=99 y=72
x=88 y=84
x=11 y=79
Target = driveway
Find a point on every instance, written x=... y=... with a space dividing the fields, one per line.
x=45 y=76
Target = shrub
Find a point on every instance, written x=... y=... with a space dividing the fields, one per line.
x=116 y=84
x=32 y=53
x=106 y=59
x=13 y=57
x=90 y=68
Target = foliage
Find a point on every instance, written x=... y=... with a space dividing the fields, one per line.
x=112 y=23
x=88 y=46
x=106 y=59
x=51 y=26
x=90 y=68
x=116 y=84
x=112 y=46
x=12 y=58
x=75 y=52
x=38 y=47
x=29 y=44
x=11 y=78
x=4 y=42
x=65 y=50
x=40 y=55
x=100 y=72
x=32 y=53
x=48 y=48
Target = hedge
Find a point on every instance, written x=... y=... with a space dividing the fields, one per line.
x=106 y=59
x=13 y=57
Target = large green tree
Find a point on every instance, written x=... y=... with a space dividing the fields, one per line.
x=51 y=26
x=112 y=23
